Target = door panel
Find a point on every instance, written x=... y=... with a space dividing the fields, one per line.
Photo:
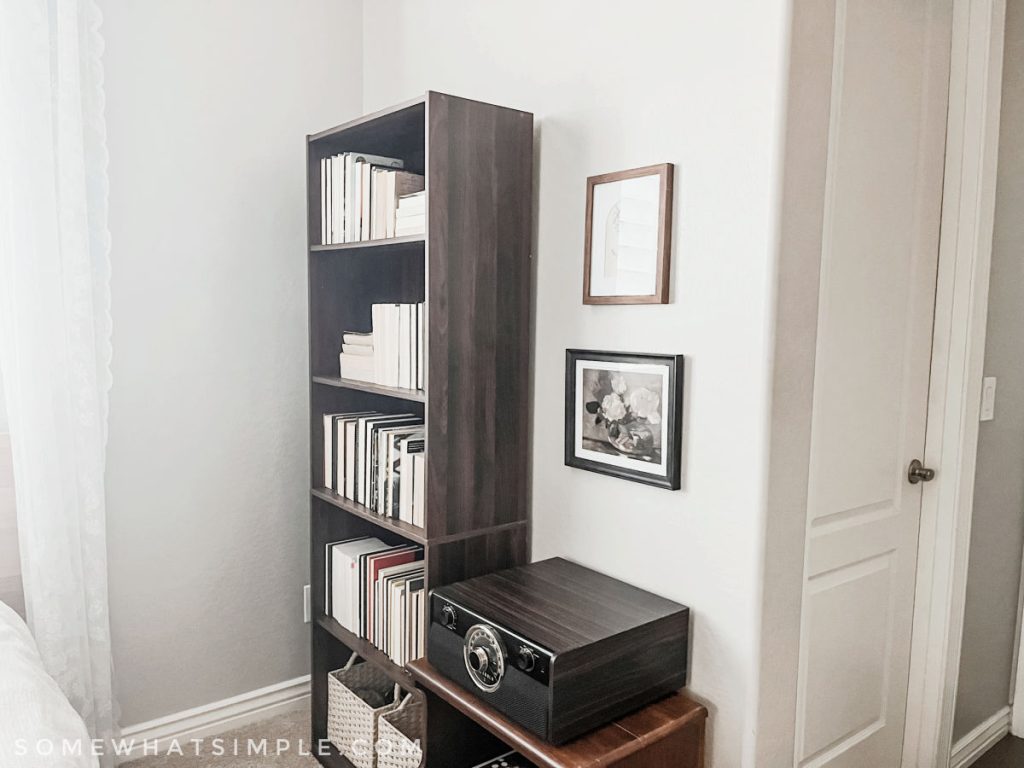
x=878 y=268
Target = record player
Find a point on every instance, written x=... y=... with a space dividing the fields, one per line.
x=556 y=647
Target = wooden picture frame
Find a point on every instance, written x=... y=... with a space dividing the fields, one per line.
x=651 y=283
x=624 y=415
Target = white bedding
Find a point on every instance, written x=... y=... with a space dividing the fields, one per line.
x=38 y=727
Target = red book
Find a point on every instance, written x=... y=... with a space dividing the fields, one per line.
x=374 y=565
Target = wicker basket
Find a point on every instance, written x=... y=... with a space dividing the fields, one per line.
x=351 y=721
x=399 y=735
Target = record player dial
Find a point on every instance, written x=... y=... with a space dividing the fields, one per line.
x=485 y=657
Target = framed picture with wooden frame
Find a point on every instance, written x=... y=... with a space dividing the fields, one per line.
x=628 y=239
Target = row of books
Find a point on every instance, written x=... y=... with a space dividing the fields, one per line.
x=376 y=591
x=362 y=197
x=392 y=354
x=378 y=460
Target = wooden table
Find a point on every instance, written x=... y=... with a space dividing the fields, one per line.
x=666 y=734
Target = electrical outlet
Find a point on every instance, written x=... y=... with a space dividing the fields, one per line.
x=988 y=398
x=307 y=604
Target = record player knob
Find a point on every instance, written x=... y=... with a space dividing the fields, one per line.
x=526 y=659
x=479 y=660
x=449 y=618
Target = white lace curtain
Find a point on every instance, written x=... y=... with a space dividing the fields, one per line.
x=55 y=333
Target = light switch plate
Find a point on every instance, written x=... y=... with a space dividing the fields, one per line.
x=988 y=398
x=307 y=605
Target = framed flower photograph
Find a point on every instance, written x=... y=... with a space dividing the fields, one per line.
x=624 y=415
x=628 y=237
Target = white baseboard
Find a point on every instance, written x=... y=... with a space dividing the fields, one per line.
x=216 y=718
x=981 y=739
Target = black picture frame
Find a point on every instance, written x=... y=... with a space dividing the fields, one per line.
x=632 y=452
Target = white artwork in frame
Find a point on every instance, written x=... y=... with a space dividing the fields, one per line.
x=628 y=236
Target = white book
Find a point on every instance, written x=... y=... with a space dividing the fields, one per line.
x=328 y=581
x=365 y=171
x=324 y=223
x=353 y=338
x=379 y=217
x=350 y=198
x=338 y=197
x=396 y=336
x=364 y=350
x=356 y=367
x=421 y=646
x=421 y=345
x=377 y=312
x=340 y=446
x=392 y=204
x=409 y=448
x=351 y=459
x=413 y=225
x=332 y=230
x=406 y=220
x=372 y=205
x=394 y=625
x=382 y=342
x=419 y=484
x=404 y=334
x=414 y=340
x=405 y=489
x=414 y=203
x=357 y=200
x=344 y=561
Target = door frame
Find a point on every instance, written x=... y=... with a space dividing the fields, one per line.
x=954 y=400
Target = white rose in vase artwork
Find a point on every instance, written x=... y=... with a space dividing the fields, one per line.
x=626 y=412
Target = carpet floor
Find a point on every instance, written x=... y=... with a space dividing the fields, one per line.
x=1008 y=753
x=232 y=749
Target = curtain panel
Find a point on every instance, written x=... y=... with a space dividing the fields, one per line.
x=55 y=334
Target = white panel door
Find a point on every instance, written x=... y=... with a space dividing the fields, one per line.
x=878 y=270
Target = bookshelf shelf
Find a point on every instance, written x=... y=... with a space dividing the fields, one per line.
x=366 y=651
x=406 y=531
x=472 y=271
x=414 y=395
x=371 y=245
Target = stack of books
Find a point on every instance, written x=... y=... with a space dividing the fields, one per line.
x=392 y=354
x=378 y=460
x=356 y=359
x=377 y=592
x=411 y=214
x=360 y=196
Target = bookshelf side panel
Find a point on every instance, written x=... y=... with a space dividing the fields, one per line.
x=479 y=187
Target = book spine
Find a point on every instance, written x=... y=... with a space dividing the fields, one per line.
x=323 y=201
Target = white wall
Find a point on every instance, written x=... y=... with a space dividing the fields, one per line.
x=693 y=83
x=207 y=107
x=997 y=523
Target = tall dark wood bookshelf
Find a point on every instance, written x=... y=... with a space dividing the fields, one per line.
x=472 y=268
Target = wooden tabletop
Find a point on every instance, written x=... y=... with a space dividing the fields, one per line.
x=605 y=746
